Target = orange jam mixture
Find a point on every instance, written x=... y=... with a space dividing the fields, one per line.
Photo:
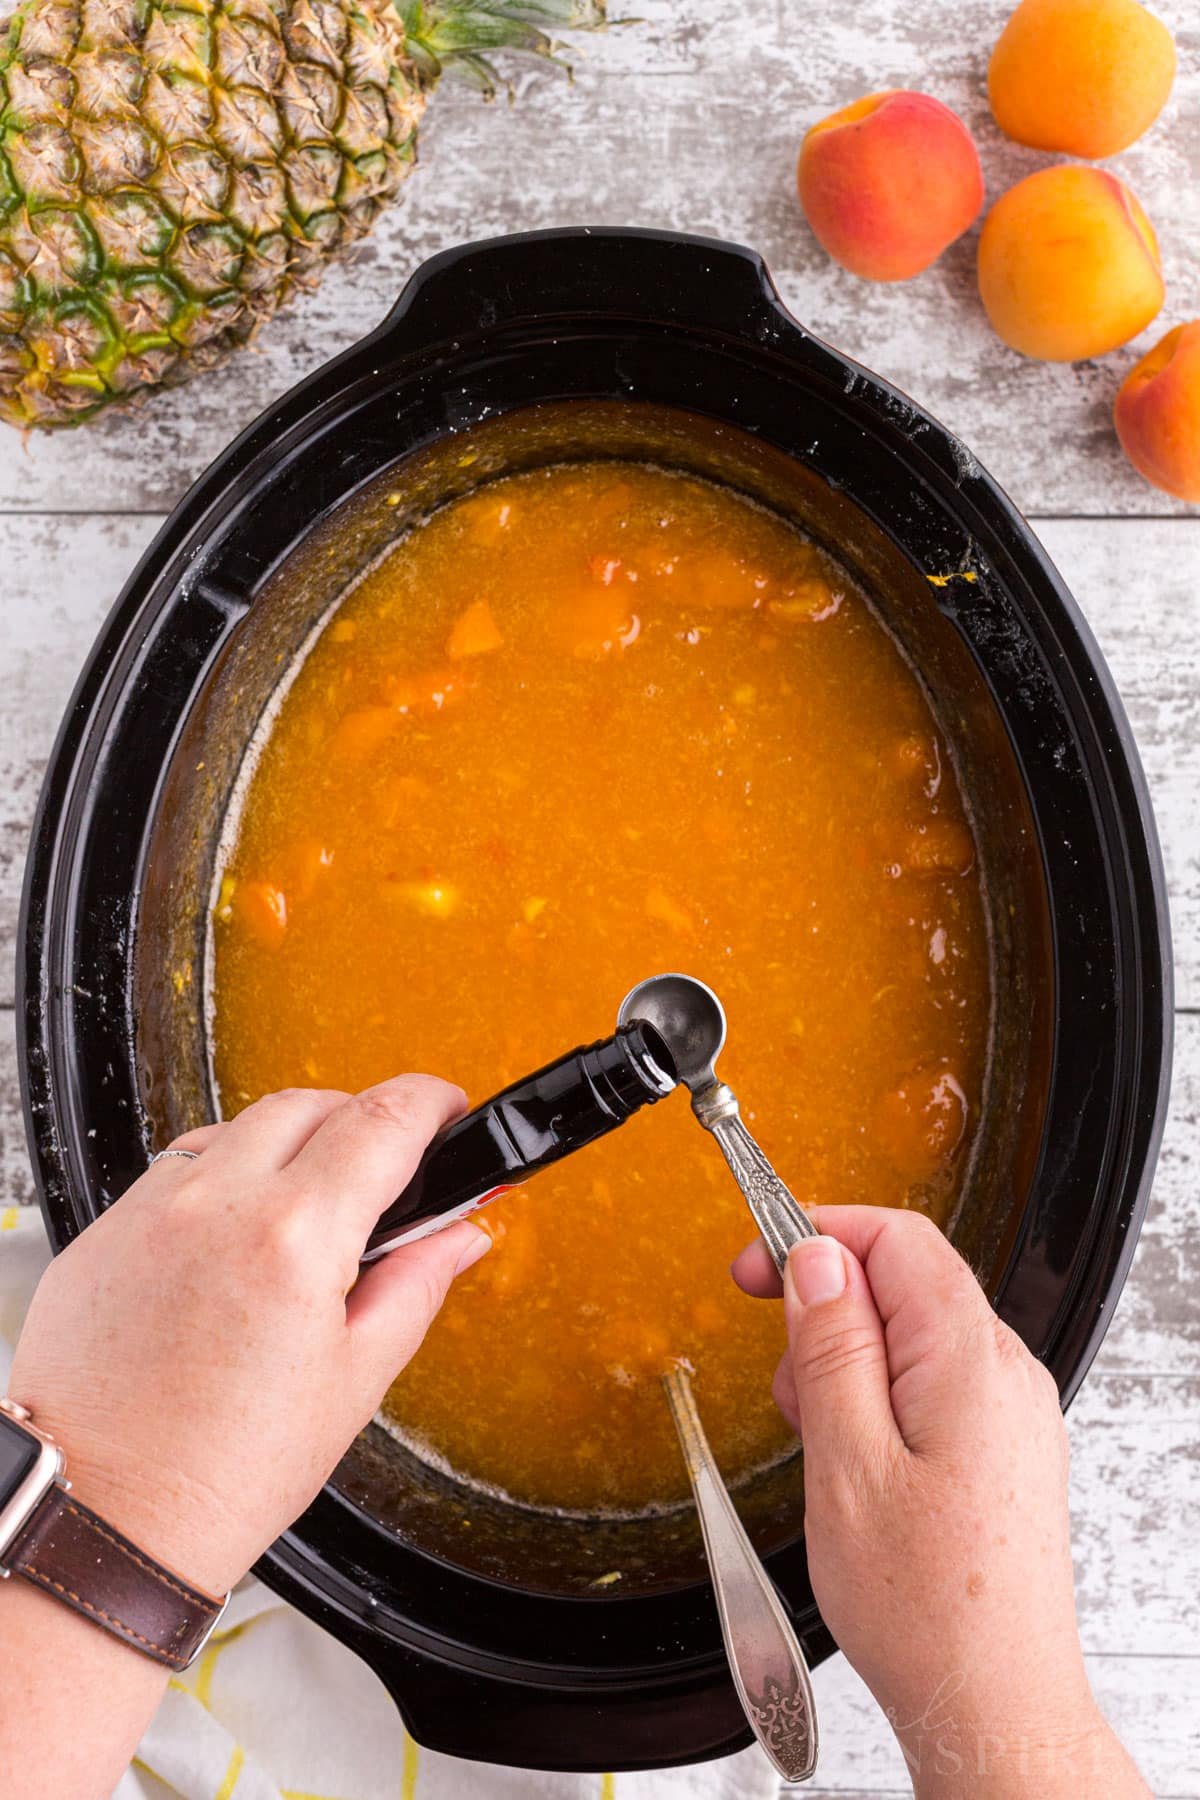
x=591 y=723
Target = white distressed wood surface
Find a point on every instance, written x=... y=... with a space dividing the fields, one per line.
x=691 y=120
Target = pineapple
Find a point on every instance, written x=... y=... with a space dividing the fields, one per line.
x=171 y=171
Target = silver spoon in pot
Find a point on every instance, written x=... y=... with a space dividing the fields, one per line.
x=691 y=1021
x=766 y=1658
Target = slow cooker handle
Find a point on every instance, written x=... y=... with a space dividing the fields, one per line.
x=523 y=1724
x=606 y=273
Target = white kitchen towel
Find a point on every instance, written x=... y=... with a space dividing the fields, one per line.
x=276 y=1709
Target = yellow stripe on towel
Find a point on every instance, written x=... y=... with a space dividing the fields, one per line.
x=608 y=1787
x=412 y=1759
x=201 y=1688
x=237 y=1763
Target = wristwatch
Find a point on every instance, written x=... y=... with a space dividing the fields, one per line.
x=53 y=1540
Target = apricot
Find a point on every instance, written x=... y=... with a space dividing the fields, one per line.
x=1087 y=77
x=889 y=182
x=1069 y=265
x=1157 y=413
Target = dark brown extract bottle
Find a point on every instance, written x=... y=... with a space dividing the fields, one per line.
x=531 y=1124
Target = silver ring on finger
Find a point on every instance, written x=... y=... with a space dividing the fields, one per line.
x=163 y=1154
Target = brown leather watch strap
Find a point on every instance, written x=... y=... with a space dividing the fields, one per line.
x=79 y=1558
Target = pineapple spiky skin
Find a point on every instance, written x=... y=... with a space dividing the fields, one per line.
x=171 y=171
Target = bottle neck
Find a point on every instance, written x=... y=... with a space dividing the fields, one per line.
x=629 y=1069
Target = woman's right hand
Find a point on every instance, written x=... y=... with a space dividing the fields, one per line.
x=935 y=1461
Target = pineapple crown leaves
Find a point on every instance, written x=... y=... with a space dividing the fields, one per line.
x=463 y=33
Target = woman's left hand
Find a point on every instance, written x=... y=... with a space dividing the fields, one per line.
x=206 y=1351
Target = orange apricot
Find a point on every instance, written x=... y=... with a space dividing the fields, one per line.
x=1069 y=265
x=888 y=182
x=1086 y=77
x=1157 y=413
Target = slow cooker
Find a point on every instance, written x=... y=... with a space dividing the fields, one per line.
x=503 y=355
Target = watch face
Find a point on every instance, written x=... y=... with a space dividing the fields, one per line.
x=19 y=1455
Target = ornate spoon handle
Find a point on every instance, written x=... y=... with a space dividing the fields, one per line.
x=765 y=1657
x=777 y=1213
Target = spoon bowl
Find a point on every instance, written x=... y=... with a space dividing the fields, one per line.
x=688 y=1017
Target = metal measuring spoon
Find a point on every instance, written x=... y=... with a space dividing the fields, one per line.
x=765 y=1656
x=691 y=1020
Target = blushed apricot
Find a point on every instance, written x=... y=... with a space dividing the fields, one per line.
x=1069 y=265
x=1157 y=413
x=1086 y=77
x=889 y=182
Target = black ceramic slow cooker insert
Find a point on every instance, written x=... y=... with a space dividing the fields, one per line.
x=495 y=1641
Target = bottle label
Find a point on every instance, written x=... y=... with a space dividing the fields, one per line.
x=439 y=1222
